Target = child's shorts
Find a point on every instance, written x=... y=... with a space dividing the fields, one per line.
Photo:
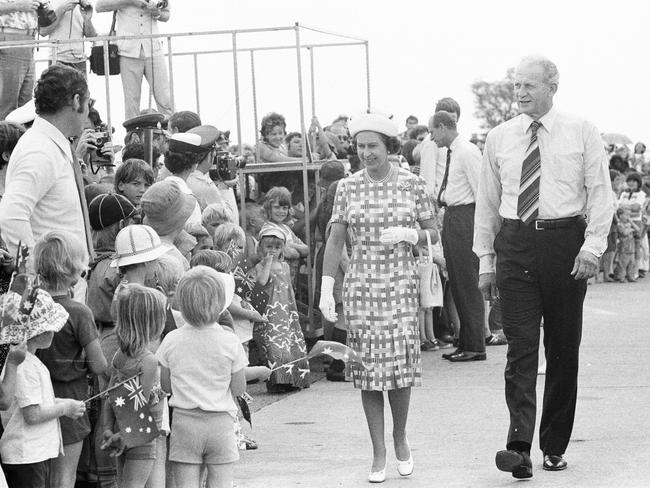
x=200 y=437
x=141 y=453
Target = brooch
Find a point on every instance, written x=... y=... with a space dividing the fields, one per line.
x=404 y=186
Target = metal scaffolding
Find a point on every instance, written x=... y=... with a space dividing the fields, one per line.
x=306 y=165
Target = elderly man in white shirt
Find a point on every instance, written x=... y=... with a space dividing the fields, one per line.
x=44 y=189
x=140 y=57
x=543 y=212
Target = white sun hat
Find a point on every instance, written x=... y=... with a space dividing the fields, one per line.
x=137 y=244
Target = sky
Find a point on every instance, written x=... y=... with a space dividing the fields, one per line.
x=420 y=51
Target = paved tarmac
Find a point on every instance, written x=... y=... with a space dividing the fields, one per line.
x=458 y=419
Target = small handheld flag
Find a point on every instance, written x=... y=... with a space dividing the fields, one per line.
x=131 y=409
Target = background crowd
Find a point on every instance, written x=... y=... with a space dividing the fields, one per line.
x=152 y=223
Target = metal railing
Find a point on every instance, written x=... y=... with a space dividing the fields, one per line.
x=305 y=165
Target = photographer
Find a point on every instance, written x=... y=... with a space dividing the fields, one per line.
x=94 y=149
x=18 y=22
x=140 y=57
x=73 y=21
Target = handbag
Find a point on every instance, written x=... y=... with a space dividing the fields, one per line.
x=430 y=283
x=97 y=56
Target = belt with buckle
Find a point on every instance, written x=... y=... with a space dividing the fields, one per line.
x=547 y=224
x=13 y=30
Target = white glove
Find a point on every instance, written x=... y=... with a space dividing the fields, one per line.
x=327 y=304
x=393 y=235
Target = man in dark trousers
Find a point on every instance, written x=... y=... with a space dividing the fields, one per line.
x=457 y=194
x=543 y=212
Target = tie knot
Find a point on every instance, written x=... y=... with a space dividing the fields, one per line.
x=534 y=127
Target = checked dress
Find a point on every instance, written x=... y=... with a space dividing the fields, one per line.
x=380 y=291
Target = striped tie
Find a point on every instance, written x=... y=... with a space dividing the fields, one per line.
x=528 y=202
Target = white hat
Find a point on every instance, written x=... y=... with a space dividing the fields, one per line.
x=25 y=114
x=229 y=288
x=373 y=122
x=137 y=244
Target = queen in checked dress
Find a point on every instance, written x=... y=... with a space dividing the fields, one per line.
x=385 y=211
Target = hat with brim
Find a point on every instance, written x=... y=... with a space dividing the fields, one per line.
x=166 y=207
x=18 y=326
x=272 y=231
x=197 y=140
x=25 y=114
x=373 y=122
x=228 y=287
x=137 y=244
x=152 y=120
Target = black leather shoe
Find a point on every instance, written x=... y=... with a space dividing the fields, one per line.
x=463 y=357
x=515 y=462
x=450 y=354
x=554 y=463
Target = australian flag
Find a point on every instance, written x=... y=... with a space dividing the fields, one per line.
x=131 y=409
x=248 y=289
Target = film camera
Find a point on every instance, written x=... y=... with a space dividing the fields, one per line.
x=97 y=158
x=158 y=3
x=46 y=16
x=225 y=166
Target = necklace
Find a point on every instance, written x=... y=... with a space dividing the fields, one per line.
x=380 y=180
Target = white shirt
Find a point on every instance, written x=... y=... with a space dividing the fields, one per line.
x=432 y=164
x=22 y=443
x=68 y=29
x=464 y=172
x=201 y=361
x=574 y=179
x=204 y=189
x=40 y=193
x=136 y=21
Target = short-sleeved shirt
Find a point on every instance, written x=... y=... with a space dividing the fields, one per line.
x=201 y=361
x=65 y=358
x=22 y=443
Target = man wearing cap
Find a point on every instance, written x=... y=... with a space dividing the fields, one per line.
x=457 y=195
x=17 y=24
x=44 y=188
x=542 y=172
x=140 y=56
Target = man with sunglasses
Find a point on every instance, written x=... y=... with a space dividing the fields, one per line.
x=44 y=188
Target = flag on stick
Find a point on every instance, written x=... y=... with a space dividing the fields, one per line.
x=131 y=409
x=333 y=349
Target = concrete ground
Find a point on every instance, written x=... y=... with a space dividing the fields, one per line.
x=458 y=419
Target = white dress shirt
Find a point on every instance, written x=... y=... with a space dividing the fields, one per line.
x=432 y=164
x=574 y=179
x=136 y=21
x=464 y=172
x=70 y=26
x=40 y=193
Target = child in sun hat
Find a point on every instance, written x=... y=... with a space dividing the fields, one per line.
x=280 y=338
x=108 y=214
x=166 y=209
x=32 y=435
x=59 y=260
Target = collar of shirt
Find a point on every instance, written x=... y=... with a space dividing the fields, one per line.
x=454 y=145
x=547 y=120
x=43 y=126
x=199 y=175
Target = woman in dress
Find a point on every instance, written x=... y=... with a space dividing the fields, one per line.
x=385 y=211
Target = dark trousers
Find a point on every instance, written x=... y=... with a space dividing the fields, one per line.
x=462 y=267
x=34 y=475
x=534 y=281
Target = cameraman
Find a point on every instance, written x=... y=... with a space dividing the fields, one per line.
x=71 y=23
x=18 y=22
x=140 y=57
x=94 y=149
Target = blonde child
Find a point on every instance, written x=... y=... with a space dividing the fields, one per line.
x=252 y=221
x=32 y=435
x=230 y=238
x=277 y=203
x=280 y=338
x=140 y=321
x=203 y=367
x=59 y=259
x=216 y=214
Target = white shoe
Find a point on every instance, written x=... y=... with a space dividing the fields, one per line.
x=405 y=468
x=377 y=476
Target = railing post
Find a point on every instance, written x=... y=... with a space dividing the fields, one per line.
x=170 y=61
x=107 y=88
x=368 y=75
x=196 y=84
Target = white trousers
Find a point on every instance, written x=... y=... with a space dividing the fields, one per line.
x=154 y=70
